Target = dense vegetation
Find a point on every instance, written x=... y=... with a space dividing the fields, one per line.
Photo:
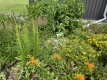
x=49 y=43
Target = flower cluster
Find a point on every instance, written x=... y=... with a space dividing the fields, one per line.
x=57 y=56
x=80 y=77
x=32 y=61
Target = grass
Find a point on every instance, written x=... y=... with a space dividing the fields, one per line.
x=13 y=5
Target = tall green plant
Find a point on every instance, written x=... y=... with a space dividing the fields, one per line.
x=27 y=41
x=35 y=39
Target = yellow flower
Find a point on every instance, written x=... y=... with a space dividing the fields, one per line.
x=82 y=42
x=98 y=54
x=106 y=35
x=90 y=42
x=32 y=58
x=57 y=56
x=87 y=37
x=93 y=51
x=84 y=53
x=29 y=56
x=90 y=55
x=80 y=47
x=84 y=57
x=76 y=57
x=29 y=62
x=94 y=55
x=69 y=50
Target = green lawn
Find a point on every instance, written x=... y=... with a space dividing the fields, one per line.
x=13 y=5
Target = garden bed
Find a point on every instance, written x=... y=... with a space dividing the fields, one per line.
x=52 y=46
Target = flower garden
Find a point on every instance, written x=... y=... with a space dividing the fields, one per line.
x=48 y=43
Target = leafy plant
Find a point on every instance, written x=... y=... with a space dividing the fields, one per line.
x=65 y=13
x=27 y=41
x=8 y=47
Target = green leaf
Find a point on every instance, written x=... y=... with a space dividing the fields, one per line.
x=92 y=78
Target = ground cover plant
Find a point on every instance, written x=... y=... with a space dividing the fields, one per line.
x=31 y=50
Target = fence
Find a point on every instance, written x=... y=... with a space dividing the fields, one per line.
x=94 y=9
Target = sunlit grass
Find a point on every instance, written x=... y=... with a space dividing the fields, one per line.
x=13 y=5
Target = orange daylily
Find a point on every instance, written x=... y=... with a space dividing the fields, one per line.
x=32 y=60
x=80 y=77
x=90 y=65
x=36 y=63
x=57 y=56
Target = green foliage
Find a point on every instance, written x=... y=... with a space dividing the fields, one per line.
x=75 y=52
x=60 y=58
x=10 y=18
x=42 y=56
x=27 y=40
x=61 y=16
x=8 y=48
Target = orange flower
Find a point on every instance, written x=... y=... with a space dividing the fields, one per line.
x=57 y=56
x=90 y=66
x=80 y=77
x=32 y=58
x=36 y=63
x=33 y=61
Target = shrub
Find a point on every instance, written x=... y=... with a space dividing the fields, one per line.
x=61 y=16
